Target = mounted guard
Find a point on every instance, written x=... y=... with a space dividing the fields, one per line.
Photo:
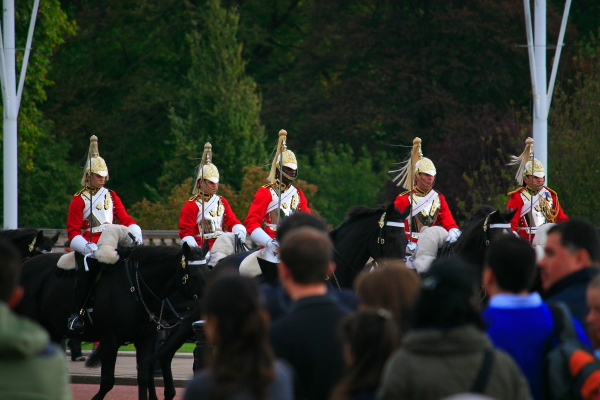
x=428 y=206
x=276 y=200
x=206 y=215
x=534 y=203
x=92 y=209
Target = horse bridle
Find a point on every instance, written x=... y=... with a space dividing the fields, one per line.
x=487 y=225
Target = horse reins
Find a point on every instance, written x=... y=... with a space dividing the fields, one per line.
x=487 y=225
x=138 y=292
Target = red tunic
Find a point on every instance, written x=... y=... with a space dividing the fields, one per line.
x=443 y=217
x=189 y=215
x=76 y=225
x=257 y=214
x=516 y=203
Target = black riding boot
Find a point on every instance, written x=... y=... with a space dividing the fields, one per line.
x=83 y=285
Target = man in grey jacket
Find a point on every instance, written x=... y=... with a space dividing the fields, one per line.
x=31 y=367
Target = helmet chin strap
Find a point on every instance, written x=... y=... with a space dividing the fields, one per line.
x=418 y=177
x=92 y=179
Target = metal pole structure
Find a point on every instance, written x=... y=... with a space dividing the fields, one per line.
x=11 y=100
x=10 y=119
x=542 y=91
x=540 y=117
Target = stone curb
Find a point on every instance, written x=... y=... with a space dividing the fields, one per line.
x=123 y=380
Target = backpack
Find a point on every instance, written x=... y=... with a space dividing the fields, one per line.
x=572 y=372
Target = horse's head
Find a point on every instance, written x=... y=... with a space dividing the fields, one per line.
x=42 y=244
x=192 y=273
x=391 y=241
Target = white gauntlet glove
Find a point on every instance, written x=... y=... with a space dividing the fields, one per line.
x=136 y=231
x=190 y=241
x=453 y=235
x=411 y=248
x=80 y=245
x=240 y=232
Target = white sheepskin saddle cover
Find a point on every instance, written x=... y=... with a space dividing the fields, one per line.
x=222 y=247
x=113 y=236
x=539 y=241
x=431 y=240
x=249 y=267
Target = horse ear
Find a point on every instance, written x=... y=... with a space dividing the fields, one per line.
x=39 y=238
x=186 y=250
x=54 y=239
x=205 y=248
x=404 y=213
x=510 y=213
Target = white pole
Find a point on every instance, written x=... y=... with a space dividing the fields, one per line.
x=540 y=115
x=11 y=197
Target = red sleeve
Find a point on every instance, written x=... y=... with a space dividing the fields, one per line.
x=230 y=219
x=187 y=219
x=75 y=217
x=516 y=203
x=445 y=217
x=303 y=206
x=561 y=216
x=258 y=209
x=119 y=211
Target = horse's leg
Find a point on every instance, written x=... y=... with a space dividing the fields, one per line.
x=167 y=373
x=107 y=351
x=144 y=349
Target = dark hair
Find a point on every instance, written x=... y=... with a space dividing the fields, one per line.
x=307 y=252
x=10 y=260
x=370 y=336
x=579 y=234
x=448 y=296
x=298 y=220
x=512 y=260
x=393 y=287
x=244 y=360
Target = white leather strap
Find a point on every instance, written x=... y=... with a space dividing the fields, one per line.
x=500 y=226
x=396 y=224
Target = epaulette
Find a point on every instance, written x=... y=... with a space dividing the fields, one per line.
x=268 y=185
x=403 y=193
x=80 y=192
x=519 y=190
x=551 y=191
x=193 y=197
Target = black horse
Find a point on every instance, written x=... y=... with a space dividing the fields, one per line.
x=367 y=233
x=127 y=304
x=486 y=225
x=29 y=241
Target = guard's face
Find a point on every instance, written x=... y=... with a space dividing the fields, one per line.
x=426 y=181
x=534 y=182
x=209 y=186
x=291 y=173
x=97 y=181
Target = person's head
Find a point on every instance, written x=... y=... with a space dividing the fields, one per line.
x=207 y=186
x=238 y=325
x=571 y=246
x=306 y=257
x=448 y=297
x=593 y=317
x=392 y=287
x=370 y=337
x=207 y=174
x=284 y=164
x=10 y=259
x=424 y=181
x=534 y=182
x=298 y=220
x=510 y=266
x=95 y=171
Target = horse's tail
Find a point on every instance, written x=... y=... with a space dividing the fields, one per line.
x=94 y=361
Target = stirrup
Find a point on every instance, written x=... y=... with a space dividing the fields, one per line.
x=75 y=323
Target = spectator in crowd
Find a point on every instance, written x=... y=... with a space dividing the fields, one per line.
x=571 y=257
x=519 y=322
x=278 y=302
x=243 y=367
x=369 y=338
x=593 y=317
x=307 y=337
x=391 y=286
x=31 y=367
x=447 y=352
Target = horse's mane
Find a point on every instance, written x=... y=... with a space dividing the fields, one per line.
x=477 y=219
x=356 y=213
x=16 y=235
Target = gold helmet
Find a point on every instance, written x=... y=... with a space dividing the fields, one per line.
x=94 y=163
x=413 y=166
x=527 y=164
x=206 y=170
x=287 y=157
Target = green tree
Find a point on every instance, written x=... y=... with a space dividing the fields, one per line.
x=220 y=102
x=344 y=179
x=573 y=131
x=44 y=190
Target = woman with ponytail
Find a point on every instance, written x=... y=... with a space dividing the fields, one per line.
x=242 y=366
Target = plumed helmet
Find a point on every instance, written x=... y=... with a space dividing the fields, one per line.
x=206 y=170
x=94 y=163
x=527 y=164
x=287 y=157
x=414 y=164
